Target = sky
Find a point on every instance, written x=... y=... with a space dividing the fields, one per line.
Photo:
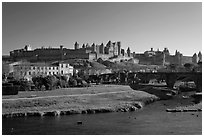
x=140 y=26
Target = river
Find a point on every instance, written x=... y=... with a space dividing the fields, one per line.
x=151 y=120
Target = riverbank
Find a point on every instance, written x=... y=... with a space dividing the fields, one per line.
x=96 y=99
x=150 y=120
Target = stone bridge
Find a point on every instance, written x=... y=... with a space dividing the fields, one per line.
x=171 y=77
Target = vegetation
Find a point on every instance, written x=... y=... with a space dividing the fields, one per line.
x=121 y=72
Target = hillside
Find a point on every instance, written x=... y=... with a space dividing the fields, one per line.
x=114 y=64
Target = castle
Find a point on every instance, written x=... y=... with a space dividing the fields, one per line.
x=103 y=51
x=152 y=57
x=86 y=52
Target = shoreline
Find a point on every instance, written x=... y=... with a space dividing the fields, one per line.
x=126 y=108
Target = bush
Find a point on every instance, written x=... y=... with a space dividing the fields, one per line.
x=23 y=84
x=10 y=89
x=72 y=82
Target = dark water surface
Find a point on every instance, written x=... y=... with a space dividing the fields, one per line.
x=153 y=119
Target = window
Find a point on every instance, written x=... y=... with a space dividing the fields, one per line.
x=33 y=67
x=62 y=72
x=38 y=67
x=57 y=68
x=62 y=65
x=50 y=73
x=29 y=73
x=57 y=72
x=42 y=68
x=53 y=68
x=49 y=68
x=66 y=66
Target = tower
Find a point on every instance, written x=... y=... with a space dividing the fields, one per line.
x=61 y=47
x=87 y=45
x=83 y=46
x=176 y=52
x=195 y=58
x=76 y=46
x=115 y=49
x=166 y=51
x=109 y=43
x=128 y=51
x=93 y=47
x=27 y=48
x=97 y=49
x=119 y=47
x=123 y=52
x=134 y=54
x=61 y=52
x=164 y=59
x=200 y=56
x=101 y=49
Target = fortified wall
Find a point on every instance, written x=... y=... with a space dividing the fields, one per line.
x=86 y=52
x=103 y=51
x=158 y=57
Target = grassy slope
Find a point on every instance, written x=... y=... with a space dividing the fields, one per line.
x=111 y=100
x=72 y=91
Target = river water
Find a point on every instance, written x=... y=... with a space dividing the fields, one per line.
x=151 y=120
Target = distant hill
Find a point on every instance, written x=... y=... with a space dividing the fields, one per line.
x=130 y=65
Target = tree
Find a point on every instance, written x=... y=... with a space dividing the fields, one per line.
x=100 y=60
x=50 y=82
x=38 y=81
x=189 y=66
x=173 y=67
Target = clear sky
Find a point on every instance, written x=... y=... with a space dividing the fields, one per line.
x=140 y=26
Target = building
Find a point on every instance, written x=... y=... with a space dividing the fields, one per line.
x=27 y=70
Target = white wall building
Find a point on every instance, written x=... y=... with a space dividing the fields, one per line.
x=28 y=70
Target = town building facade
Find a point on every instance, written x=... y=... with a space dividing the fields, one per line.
x=27 y=70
